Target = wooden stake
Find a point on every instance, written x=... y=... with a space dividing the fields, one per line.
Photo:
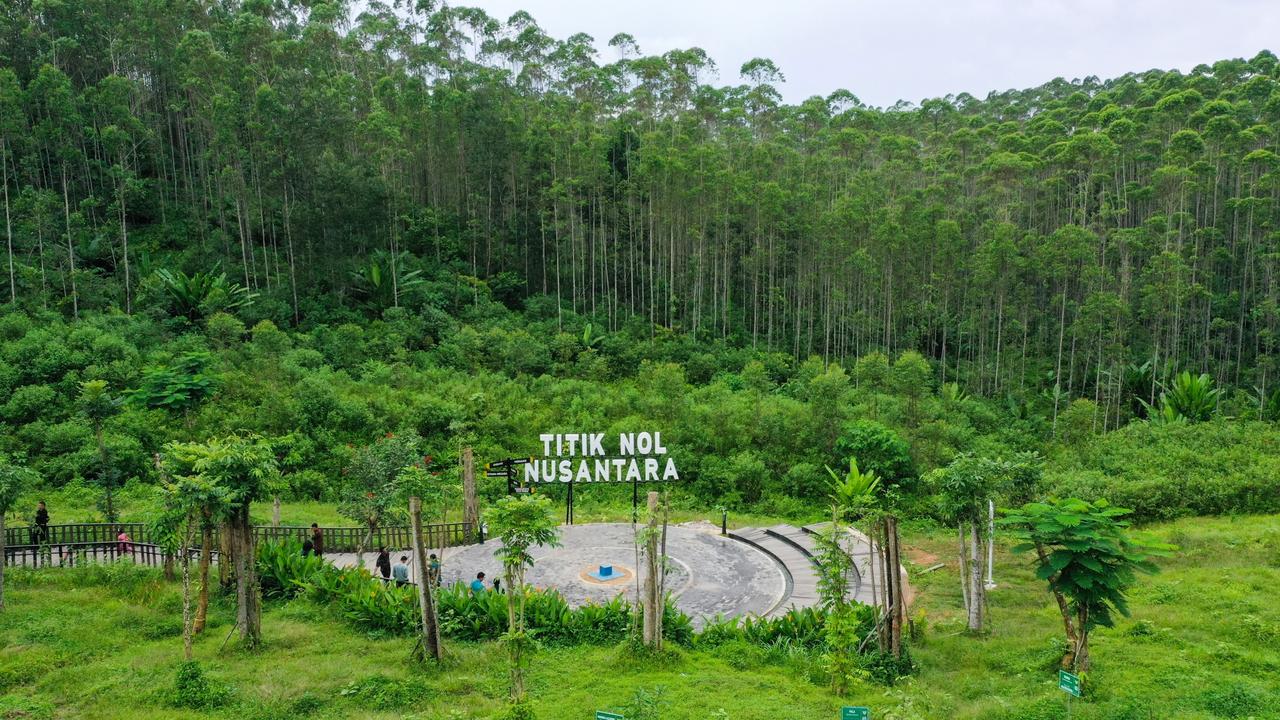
x=430 y=628
x=470 y=508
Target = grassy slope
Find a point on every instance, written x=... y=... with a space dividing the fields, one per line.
x=80 y=504
x=1204 y=642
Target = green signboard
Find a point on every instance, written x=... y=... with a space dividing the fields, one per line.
x=855 y=713
x=1069 y=683
x=602 y=715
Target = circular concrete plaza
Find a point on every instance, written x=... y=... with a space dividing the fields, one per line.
x=708 y=574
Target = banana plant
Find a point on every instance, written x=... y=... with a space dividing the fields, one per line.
x=200 y=294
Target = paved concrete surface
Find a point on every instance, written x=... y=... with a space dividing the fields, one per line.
x=708 y=574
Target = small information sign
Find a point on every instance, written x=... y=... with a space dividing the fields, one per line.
x=855 y=713
x=1069 y=683
x=602 y=715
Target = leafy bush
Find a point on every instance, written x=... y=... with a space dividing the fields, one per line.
x=802 y=627
x=380 y=692
x=1168 y=471
x=1234 y=700
x=192 y=689
x=283 y=569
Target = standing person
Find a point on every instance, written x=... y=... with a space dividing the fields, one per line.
x=433 y=569
x=477 y=585
x=317 y=540
x=383 y=563
x=123 y=543
x=40 y=531
x=40 y=534
x=401 y=571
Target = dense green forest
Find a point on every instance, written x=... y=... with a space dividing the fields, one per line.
x=326 y=225
x=1037 y=239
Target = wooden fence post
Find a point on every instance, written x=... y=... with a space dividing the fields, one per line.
x=470 y=508
x=430 y=628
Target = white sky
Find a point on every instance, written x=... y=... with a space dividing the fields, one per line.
x=911 y=50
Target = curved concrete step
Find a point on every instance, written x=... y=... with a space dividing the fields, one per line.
x=797 y=537
x=797 y=563
x=751 y=536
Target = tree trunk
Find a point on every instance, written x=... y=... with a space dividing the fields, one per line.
x=8 y=223
x=124 y=241
x=652 y=631
x=71 y=253
x=248 y=608
x=188 y=623
x=1068 y=660
x=515 y=631
x=1 y=561
x=364 y=544
x=470 y=508
x=430 y=627
x=1081 y=660
x=226 y=556
x=206 y=549
x=899 y=604
x=275 y=511
x=976 y=588
x=964 y=571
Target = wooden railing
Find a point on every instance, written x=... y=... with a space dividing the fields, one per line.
x=32 y=545
x=71 y=554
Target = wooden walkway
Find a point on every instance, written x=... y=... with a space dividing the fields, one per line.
x=80 y=543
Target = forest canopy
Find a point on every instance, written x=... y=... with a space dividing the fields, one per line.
x=294 y=205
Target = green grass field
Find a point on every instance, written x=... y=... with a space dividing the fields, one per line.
x=1203 y=642
x=80 y=504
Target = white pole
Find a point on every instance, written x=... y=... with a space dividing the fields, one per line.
x=991 y=544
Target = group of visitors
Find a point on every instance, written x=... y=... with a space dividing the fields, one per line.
x=399 y=573
x=477 y=585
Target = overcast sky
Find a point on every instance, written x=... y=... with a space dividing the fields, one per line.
x=910 y=50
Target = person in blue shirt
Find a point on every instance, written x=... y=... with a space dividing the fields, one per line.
x=401 y=571
x=477 y=585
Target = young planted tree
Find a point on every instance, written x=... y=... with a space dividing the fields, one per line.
x=14 y=478
x=965 y=487
x=651 y=606
x=244 y=467
x=880 y=451
x=430 y=495
x=371 y=492
x=188 y=497
x=1089 y=559
x=97 y=405
x=208 y=503
x=520 y=524
x=852 y=497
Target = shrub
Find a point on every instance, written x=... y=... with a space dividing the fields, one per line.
x=802 y=627
x=192 y=689
x=283 y=570
x=1234 y=700
x=1168 y=471
x=877 y=449
x=384 y=693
